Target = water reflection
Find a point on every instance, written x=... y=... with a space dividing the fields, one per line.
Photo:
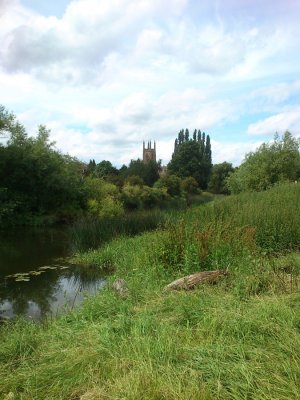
x=40 y=290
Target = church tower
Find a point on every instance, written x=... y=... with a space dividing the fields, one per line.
x=149 y=153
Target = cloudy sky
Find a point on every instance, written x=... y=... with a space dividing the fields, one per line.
x=106 y=75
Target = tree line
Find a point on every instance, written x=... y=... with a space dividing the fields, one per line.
x=39 y=184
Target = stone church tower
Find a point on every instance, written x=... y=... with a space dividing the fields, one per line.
x=149 y=154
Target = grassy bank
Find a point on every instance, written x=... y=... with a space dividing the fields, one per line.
x=238 y=339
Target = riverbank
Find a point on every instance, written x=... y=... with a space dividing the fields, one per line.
x=234 y=340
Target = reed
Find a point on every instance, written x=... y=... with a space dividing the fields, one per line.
x=90 y=233
x=238 y=339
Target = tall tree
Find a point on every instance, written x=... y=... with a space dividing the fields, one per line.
x=192 y=157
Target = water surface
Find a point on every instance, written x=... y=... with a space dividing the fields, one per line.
x=35 y=279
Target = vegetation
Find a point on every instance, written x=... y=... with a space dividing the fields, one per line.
x=218 y=178
x=192 y=157
x=90 y=233
x=39 y=185
x=35 y=179
x=278 y=161
x=147 y=172
x=238 y=339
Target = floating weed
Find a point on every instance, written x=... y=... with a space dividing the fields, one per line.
x=22 y=279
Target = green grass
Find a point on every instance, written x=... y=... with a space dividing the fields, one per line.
x=239 y=339
x=274 y=214
x=92 y=232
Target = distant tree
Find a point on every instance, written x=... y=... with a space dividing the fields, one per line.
x=192 y=157
x=8 y=122
x=148 y=172
x=190 y=185
x=218 y=178
x=135 y=180
x=271 y=163
x=104 y=169
x=171 y=183
x=90 y=168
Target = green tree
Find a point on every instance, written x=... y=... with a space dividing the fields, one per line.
x=190 y=185
x=271 y=163
x=36 y=179
x=218 y=178
x=192 y=157
x=148 y=172
x=171 y=183
x=8 y=123
x=105 y=169
x=90 y=168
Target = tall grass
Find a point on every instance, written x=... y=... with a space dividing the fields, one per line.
x=236 y=340
x=90 y=233
x=273 y=214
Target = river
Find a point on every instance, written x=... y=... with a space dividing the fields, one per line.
x=35 y=278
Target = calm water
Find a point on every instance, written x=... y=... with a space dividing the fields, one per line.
x=35 y=280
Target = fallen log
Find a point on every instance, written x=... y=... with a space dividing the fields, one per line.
x=190 y=281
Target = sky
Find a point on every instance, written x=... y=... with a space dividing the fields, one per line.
x=105 y=75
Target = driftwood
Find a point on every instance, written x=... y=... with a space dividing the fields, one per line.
x=120 y=287
x=190 y=281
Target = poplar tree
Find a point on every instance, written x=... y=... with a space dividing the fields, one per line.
x=192 y=157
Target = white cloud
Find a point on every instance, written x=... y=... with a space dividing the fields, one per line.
x=288 y=119
x=273 y=97
x=232 y=152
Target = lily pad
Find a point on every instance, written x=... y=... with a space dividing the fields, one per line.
x=22 y=279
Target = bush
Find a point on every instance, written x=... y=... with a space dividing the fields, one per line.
x=171 y=183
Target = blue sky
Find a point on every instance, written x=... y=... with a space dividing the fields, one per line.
x=104 y=76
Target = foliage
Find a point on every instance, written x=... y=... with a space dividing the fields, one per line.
x=90 y=233
x=192 y=157
x=90 y=168
x=190 y=185
x=218 y=178
x=274 y=215
x=273 y=162
x=148 y=172
x=171 y=183
x=9 y=126
x=105 y=169
x=104 y=198
x=139 y=196
x=134 y=180
x=35 y=179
